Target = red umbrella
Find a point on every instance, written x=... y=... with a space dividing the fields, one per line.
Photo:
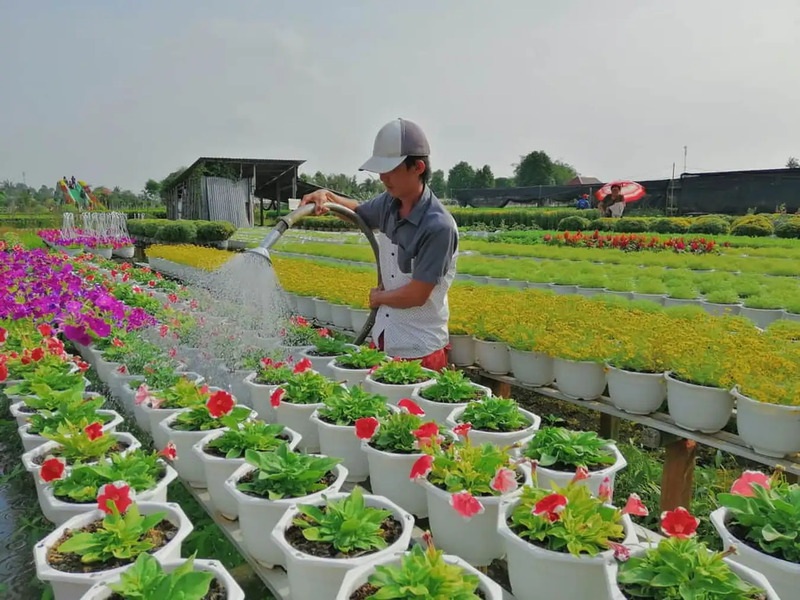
x=630 y=190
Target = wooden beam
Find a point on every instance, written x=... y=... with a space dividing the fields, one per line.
x=677 y=480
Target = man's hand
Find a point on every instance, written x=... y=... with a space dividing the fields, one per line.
x=318 y=199
x=375 y=297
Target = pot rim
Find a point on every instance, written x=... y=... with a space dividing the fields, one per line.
x=242 y=498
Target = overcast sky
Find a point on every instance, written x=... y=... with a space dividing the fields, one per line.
x=117 y=91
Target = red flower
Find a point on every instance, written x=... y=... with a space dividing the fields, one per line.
x=621 y=552
x=463 y=429
x=366 y=427
x=117 y=342
x=172 y=297
x=173 y=352
x=45 y=330
x=52 y=469
x=550 y=507
x=275 y=397
x=142 y=395
x=114 y=272
x=204 y=389
x=679 y=523
x=422 y=466
x=504 y=481
x=220 y=403
x=605 y=491
x=37 y=354
x=635 y=507
x=126 y=277
x=466 y=504
x=580 y=473
x=411 y=407
x=152 y=283
x=163 y=330
x=170 y=452
x=744 y=485
x=324 y=332
x=303 y=365
x=428 y=430
x=3 y=335
x=94 y=431
x=82 y=365
x=3 y=372
x=122 y=369
x=114 y=494
x=193 y=304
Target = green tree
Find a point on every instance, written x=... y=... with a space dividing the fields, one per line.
x=484 y=178
x=438 y=183
x=152 y=189
x=460 y=177
x=504 y=182
x=563 y=172
x=535 y=168
x=792 y=163
x=167 y=182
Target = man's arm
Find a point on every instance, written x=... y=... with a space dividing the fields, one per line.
x=370 y=210
x=413 y=294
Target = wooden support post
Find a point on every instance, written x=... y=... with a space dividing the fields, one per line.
x=609 y=426
x=677 y=480
x=499 y=388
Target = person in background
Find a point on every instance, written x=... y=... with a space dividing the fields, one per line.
x=418 y=244
x=583 y=202
x=615 y=197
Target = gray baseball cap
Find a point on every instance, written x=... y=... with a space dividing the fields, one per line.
x=395 y=141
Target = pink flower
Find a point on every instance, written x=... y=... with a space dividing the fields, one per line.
x=220 y=403
x=3 y=335
x=411 y=407
x=422 y=466
x=275 y=397
x=118 y=493
x=550 y=507
x=744 y=485
x=193 y=304
x=373 y=369
x=621 y=552
x=635 y=507
x=466 y=504
x=679 y=523
x=504 y=481
x=117 y=342
x=52 y=469
x=142 y=395
x=427 y=430
x=162 y=331
x=366 y=427
x=605 y=491
x=324 y=332
x=172 y=297
x=122 y=369
x=173 y=352
x=463 y=429
x=170 y=452
x=580 y=473
x=302 y=366
x=94 y=431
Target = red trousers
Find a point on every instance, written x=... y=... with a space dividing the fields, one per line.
x=435 y=361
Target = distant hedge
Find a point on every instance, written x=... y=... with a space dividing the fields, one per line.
x=183 y=231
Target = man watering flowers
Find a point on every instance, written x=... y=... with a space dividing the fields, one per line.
x=418 y=241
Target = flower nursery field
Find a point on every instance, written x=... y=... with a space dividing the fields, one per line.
x=153 y=420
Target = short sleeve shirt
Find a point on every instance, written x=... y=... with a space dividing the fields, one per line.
x=420 y=247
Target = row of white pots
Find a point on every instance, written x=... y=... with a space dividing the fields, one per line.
x=338 y=315
x=772 y=430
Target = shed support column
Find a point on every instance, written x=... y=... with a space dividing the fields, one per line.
x=677 y=480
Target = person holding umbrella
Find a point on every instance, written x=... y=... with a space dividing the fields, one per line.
x=615 y=197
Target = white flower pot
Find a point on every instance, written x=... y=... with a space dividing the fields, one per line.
x=545 y=477
x=536 y=572
x=235 y=385
x=189 y=466
x=102 y=252
x=583 y=379
x=59 y=512
x=782 y=575
x=314 y=577
x=298 y=418
x=101 y=591
x=493 y=356
x=497 y=438
x=588 y=292
x=636 y=393
x=531 y=368
x=389 y=476
x=341 y=441
x=257 y=515
x=462 y=350
x=29 y=458
x=72 y=586
x=124 y=252
x=116 y=380
x=476 y=540
x=439 y=411
x=657 y=298
x=697 y=407
x=762 y=317
x=349 y=377
x=769 y=429
x=31 y=441
x=790 y=315
x=19 y=415
x=321 y=364
x=394 y=393
x=219 y=469
x=564 y=289
x=717 y=310
x=260 y=398
x=340 y=316
x=306 y=307
x=358 y=319
x=360 y=575
x=322 y=310
x=291 y=300
x=105 y=368
x=669 y=302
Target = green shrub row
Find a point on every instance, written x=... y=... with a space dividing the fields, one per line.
x=181 y=231
x=748 y=225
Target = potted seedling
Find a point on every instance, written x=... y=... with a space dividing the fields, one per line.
x=296 y=400
x=353 y=367
x=450 y=389
x=397 y=379
x=153 y=406
x=495 y=420
x=327 y=346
